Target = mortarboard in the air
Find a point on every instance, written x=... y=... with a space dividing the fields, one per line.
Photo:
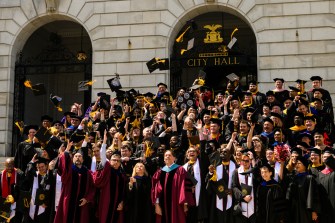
x=105 y=101
x=38 y=89
x=43 y=135
x=114 y=83
x=52 y=147
x=157 y=63
x=279 y=79
x=232 y=77
x=56 y=100
x=77 y=136
x=200 y=81
x=83 y=85
x=233 y=39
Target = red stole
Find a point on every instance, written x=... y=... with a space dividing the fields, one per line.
x=327 y=170
x=6 y=188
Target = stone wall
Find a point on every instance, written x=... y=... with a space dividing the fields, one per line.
x=295 y=39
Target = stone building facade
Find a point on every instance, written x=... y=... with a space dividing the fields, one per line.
x=294 y=39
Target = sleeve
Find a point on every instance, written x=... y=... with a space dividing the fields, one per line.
x=101 y=177
x=156 y=188
x=103 y=154
x=64 y=166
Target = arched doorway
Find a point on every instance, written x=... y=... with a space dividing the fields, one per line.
x=50 y=57
x=211 y=52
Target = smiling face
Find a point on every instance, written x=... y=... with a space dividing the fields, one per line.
x=169 y=158
x=192 y=154
x=266 y=173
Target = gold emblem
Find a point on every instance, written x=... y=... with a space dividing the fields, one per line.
x=220 y=188
x=213 y=36
x=41 y=197
x=244 y=192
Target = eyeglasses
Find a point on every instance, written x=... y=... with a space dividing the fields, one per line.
x=246 y=161
x=115 y=160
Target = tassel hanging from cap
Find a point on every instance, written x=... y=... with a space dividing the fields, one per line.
x=214 y=177
x=20 y=125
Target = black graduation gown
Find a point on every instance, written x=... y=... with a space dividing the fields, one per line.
x=327 y=196
x=270 y=204
x=24 y=154
x=303 y=198
x=139 y=208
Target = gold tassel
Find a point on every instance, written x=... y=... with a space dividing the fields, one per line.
x=182 y=51
x=214 y=177
x=181 y=37
x=27 y=83
x=20 y=125
x=59 y=109
x=90 y=83
x=231 y=36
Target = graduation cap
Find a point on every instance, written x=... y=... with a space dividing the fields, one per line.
x=289 y=98
x=216 y=121
x=279 y=79
x=269 y=93
x=190 y=45
x=310 y=117
x=232 y=77
x=304 y=134
x=200 y=81
x=328 y=150
x=105 y=101
x=253 y=82
x=297 y=151
x=303 y=144
x=317 y=99
x=275 y=114
x=76 y=117
x=41 y=196
x=38 y=89
x=28 y=127
x=319 y=90
x=300 y=81
x=42 y=160
x=316 y=78
x=157 y=63
x=149 y=95
x=303 y=160
x=303 y=102
x=43 y=135
x=315 y=150
x=114 y=83
x=247 y=93
x=233 y=40
x=84 y=85
x=293 y=88
x=56 y=100
x=46 y=117
x=267 y=119
x=77 y=136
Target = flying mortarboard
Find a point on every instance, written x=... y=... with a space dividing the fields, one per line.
x=56 y=100
x=77 y=136
x=38 y=89
x=233 y=40
x=43 y=135
x=84 y=85
x=105 y=101
x=114 y=83
x=157 y=63
x=200 y=81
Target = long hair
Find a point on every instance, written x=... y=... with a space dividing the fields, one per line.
x=134 y=170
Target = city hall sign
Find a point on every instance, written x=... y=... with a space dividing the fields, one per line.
x=209 y=51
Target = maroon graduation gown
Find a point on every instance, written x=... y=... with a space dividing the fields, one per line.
x=69 y=200
x=169 y=187
x=112 y=185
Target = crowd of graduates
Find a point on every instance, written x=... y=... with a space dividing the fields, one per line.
x=235 y=155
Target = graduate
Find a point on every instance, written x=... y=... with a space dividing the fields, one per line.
x=302 y=195
x=111 y=180
x=138 y=202
x=39 y=182
x=168 y=192
x=271 y=206
x=78 y=190
x=326 y=179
